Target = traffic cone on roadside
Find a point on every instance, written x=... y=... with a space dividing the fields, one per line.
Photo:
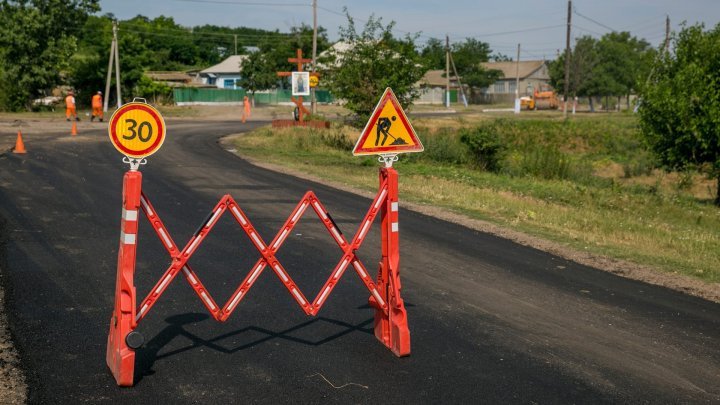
x=19 y=145
x=74 y=131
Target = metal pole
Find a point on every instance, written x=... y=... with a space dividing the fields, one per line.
x=447 y=71
x=117 y=66
x=517 y=82
x=567 y=59
x=109 y=72
x=313 y=100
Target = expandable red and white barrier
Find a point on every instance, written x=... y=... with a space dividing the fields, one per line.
x=391 y=326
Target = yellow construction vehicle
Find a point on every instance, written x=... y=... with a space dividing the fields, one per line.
x=543 y=99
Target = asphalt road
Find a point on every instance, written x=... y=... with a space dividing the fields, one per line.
x=491 y=321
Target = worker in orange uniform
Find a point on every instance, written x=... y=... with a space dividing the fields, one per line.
x=246 y=109
x=97 y=106
x=70 y=107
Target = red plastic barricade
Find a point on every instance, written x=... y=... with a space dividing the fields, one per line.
x=391 y=326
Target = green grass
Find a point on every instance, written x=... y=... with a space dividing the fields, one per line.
x=589 y=183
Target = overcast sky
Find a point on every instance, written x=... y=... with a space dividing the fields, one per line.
x=539 y=25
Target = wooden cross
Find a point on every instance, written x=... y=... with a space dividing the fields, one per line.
x=298 y=101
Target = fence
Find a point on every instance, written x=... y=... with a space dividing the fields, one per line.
x=201 y=96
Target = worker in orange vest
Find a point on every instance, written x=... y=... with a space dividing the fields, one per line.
x=246 y=109
x=70 y=107
x=97 y=106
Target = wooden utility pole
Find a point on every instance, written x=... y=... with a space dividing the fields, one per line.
x=517 y=82
x=567 y=59
x=235 y=35
x=313 y=100
x=447 y=71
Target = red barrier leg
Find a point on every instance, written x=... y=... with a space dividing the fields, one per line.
x=120 y=356
x=391 y=327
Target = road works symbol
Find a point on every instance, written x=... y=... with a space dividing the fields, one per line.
x=388 y=131
x=137 y=130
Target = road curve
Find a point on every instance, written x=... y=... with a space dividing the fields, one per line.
x=491 y=321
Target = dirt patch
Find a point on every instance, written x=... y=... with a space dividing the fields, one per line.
x=621 y=268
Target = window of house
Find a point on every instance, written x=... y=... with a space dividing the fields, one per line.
x=211 y=80
x=229 y=83
x=511 y=87
x=499 y=87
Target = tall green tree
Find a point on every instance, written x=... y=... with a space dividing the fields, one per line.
x=258 y=73
x=468 y=57
x=373 y=61
x=433 y=54
x=680 y=109
x=37 y=39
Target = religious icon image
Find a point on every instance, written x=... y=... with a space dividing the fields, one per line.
x=300 y=83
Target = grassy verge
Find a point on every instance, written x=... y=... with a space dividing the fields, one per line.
x=588 y=183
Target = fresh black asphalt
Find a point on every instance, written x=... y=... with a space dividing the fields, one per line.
x=491 y=321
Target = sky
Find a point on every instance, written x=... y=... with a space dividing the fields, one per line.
x=539 y=26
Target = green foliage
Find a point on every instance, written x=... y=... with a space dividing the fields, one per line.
x=154 y=92
x=468 y=56
x=374 y=61
x=680 y=110
x=486 y=146
x=36 y=42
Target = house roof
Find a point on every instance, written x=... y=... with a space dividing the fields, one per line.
x=435 y=78
x=508 y=69
x=229 y=65
x=169 y=76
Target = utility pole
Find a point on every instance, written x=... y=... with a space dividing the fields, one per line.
x=313 y=100
x=235 y=35
x=460 y=85
x=567 y=59
x=117 y=65
x=517 y=82
x=447 y=71
x=113 y=44
x=667 y=33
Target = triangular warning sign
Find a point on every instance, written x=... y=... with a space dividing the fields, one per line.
x=388 y=131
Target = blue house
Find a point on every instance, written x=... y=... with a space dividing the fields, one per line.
x=224 y=74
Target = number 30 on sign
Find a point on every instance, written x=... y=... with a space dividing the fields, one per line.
x=137 y=130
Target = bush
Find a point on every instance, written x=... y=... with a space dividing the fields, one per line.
x=486 y=146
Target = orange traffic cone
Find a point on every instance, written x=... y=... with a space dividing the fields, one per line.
x=19 y=145
x=74 y=131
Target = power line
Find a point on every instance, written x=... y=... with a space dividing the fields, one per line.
x=593 y=21
x=246 y=3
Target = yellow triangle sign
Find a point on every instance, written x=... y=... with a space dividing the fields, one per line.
x=388 y=131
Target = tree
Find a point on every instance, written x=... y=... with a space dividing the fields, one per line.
x=680 y=108
x=468 y=57
x=433 y=54
x=257 y=73
x=374 y=61
x=37 y=39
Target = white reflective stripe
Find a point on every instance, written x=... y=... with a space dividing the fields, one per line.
x=214 y=217
x=165 y=238
x=235 y=301
x=257 y=240
x=255 y=274
x=142 y=311
x=129 y=215
x=376 y=294
x=298 y=296
x=127 y=238
x=364 y=229
x=320 y=210
x=337 y=236
x=381 y=199
x=299 y=212
x=359 y=268
x=340 y=269
x=189 y=275
x=207 y=300
x=194 y=244
x=163 y=284
x=282 y=274
x=394 y=226
x=280 y=239
x=148 y=210
x=238 y=216
x=323 y=295
x=394 y=206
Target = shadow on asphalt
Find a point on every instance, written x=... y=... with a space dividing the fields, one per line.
x=149 y=353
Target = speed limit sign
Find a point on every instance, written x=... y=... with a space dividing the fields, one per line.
x=137 y=130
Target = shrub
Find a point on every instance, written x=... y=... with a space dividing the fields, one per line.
x=486 y=146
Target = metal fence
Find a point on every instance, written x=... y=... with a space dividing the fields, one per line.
x=204 y=96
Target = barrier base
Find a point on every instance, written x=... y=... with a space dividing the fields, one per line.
x=120 y=358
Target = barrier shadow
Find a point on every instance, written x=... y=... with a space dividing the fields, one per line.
x=146 y=355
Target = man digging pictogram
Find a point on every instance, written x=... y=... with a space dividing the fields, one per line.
x=383 y=127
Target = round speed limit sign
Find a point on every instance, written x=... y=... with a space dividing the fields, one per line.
x=137 y=130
